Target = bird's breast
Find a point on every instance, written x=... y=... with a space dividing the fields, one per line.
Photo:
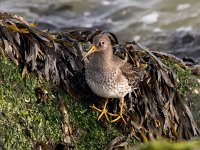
x=107 y=84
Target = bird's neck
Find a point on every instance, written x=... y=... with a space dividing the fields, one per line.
x=102 y=60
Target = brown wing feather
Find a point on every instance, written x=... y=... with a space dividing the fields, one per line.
x=133 y=74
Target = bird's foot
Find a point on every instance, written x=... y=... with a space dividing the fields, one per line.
x=103 y=112
x=120 y=115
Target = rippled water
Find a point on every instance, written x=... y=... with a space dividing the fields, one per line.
x=129 y=19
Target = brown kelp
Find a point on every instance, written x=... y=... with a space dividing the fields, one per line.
x=155 y=109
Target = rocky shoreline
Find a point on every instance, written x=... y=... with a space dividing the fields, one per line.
x=181 y=44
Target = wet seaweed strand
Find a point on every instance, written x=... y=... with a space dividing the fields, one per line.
x=153 y=110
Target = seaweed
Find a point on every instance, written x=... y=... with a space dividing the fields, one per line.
x=155 y=109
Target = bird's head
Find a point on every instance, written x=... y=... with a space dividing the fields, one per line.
x=101 y=43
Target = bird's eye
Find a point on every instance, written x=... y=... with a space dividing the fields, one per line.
x=102 y=43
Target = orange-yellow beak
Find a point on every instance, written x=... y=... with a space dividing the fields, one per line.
x=91 y=50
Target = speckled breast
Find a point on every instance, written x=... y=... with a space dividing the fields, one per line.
x=107 y=84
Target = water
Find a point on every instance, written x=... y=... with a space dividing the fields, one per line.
x=128 y=19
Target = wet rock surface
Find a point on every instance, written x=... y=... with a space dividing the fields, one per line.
x=184 y=45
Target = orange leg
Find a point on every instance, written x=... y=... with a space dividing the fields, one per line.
x=120 y=115
x=103 y=111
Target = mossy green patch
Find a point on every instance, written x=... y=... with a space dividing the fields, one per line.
x=166 y=145
x=189 y=86
x=90 y=133
x=186 y=82
x=23 y=121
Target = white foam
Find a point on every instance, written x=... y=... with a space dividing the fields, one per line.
x=150 y=18
x=156 y=30
x=181 y=7
x=194 y=15
x=187 y=28
x=136 y=38
x=87 y=13
x=105 y=2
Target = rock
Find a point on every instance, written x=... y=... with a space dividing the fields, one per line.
x=180 y=44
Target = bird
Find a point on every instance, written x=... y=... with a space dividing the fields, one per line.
x=109 y=76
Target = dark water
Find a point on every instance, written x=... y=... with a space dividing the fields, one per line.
x=138 y=20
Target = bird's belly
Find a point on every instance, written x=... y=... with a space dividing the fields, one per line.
x=109 y=90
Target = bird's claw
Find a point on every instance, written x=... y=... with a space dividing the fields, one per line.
x=119 y=116
x=105 y=112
